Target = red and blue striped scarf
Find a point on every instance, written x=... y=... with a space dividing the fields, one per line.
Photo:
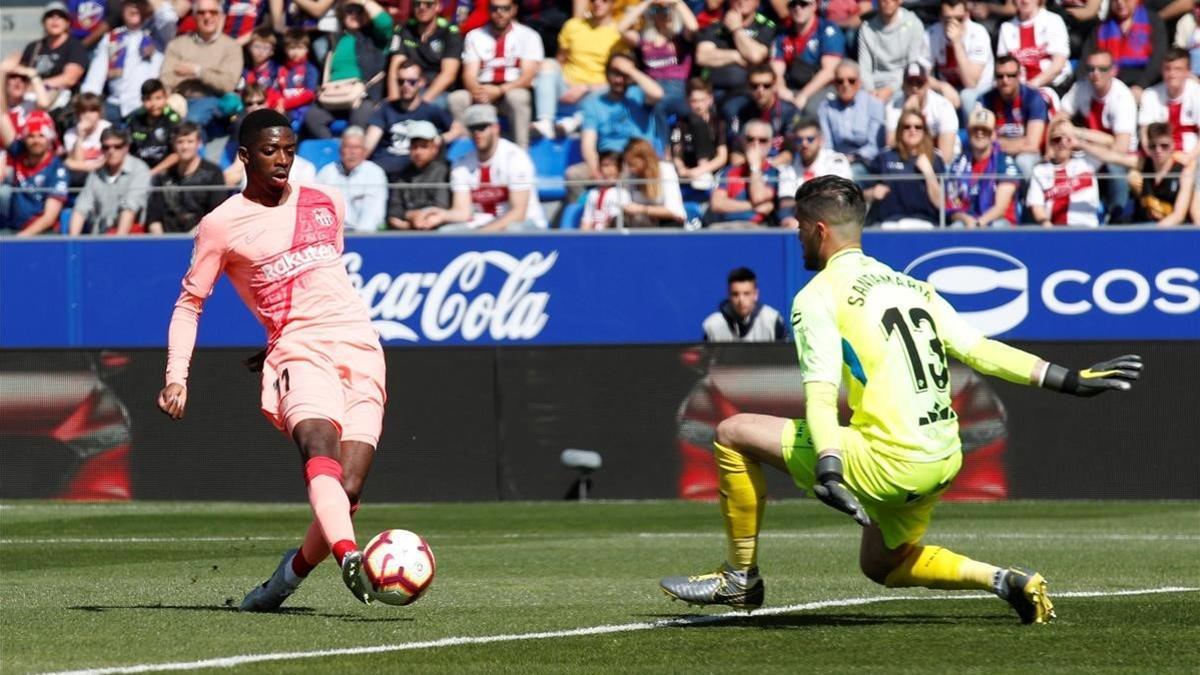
x=116 y=50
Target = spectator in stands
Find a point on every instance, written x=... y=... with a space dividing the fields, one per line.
x=81 y=143
x=244 y=17
x=728 y=49
x=297 y=80
x=432 y=43
x=665 y=46
x=115 y=196
x=319 y=19
x=741 y=317
x=887 y=42
x=500 y=75
x=585 y=44
x=494 y=186
x=745 y=195
x=698 y=140
x=259 y=56
x=1105 y=115
x=1136 y=38
x=425 y=181
x=362 y=182
x=940 y=115
x=1175 y=100
x=22 y=94
x=655 y=200
x=387 y=134
x=127 y=56
x=1021 y=114
x=58 y=59
x=765 y=104
x=1162 y=185
x=811 y=160
x=604 y=205
x=975 y=196
x=152 y=128
x=1187 y=37
x=36 y=175
x=1080 y=17
x=991 y=13
x=1038 y=39
x=91 y=19
x=961 y=52
x=1062 y=190
x=611 y=120
x=176 y=206
x=204 y=66
x=904 y=202
x=546 y=18
x=852 y=121
x=356 y=57
x=807 y=52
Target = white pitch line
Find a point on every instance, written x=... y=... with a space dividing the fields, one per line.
x=233 y=661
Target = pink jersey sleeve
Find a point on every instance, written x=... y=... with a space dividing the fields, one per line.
x=208 y=259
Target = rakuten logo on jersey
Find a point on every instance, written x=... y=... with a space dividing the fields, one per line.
x=989 y=289
x=450 y=301
x=293 y=262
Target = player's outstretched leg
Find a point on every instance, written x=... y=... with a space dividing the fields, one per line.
x=742 y=441
x=270 y=594
x=936 y=567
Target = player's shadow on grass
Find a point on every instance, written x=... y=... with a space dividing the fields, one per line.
x=809 y=620
x=282 y=611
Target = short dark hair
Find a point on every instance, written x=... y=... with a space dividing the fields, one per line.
x=87 y=102
x=742 y=274
x=698 y=84
x=832 y=200
x=1007 y=58
x=112 y=132
x=152 y=86
x=1160 y=130
x=1175 y=54
x=761 y=69
x=257 y=121
x=807 y=122
x=610 y=155
x=952 y=3
x=296 y=37
x=187 y=128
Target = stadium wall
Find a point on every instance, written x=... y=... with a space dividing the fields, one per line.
x=469 y=423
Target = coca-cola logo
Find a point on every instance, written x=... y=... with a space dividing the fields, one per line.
x=452 y=301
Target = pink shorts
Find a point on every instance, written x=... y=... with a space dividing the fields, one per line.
x=336 y=380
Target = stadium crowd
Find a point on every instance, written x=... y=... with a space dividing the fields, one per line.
x=695 y=113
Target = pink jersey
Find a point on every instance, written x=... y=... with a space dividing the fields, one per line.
x=286 y=264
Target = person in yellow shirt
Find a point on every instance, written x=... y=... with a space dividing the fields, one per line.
x=585 y=43
x=888 y=335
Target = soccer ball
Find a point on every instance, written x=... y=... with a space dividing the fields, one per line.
x=400 y=566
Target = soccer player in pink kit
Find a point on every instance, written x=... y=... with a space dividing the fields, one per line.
x=280 y=244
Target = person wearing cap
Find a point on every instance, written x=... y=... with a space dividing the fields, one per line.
x=128 y=56
x=983 y=185
x=939 y=113
x=890 y=40
x=424 y=182
x=35 y=176
x=115 y=195
x=58 y=60
x=203 y=66
x=362 y=182
x=494 y=186
x=388 y=132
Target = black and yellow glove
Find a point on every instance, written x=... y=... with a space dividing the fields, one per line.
x=831 y=489
x=1118 y=374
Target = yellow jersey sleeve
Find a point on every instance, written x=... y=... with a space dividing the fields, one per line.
x=818 y=343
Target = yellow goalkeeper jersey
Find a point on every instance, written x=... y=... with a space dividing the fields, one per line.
x=888 y=335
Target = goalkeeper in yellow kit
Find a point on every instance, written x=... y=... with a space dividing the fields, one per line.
x=888 y=336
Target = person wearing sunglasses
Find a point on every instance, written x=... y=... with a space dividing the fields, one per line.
x=1136 y=36
x=387 y=134
x=1022 y=114
x=906 y=192
x=434 y=44
x=745 y=196
x=975 y=197
x=499 y=63
x=1105 y=112
x=890 y=40
x=810 y=160
x=204 y=66
x=852 y=121
x=1161 y=185
x=765 y=104
x=1064 y=189
x=807 y=53
x=58 y=59
x=1038 y=39
x=115 y=195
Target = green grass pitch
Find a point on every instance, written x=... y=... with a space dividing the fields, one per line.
x=147 y=585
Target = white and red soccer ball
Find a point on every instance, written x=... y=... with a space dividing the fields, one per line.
x=400 y=566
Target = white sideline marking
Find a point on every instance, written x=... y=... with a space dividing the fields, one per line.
x=232 y=661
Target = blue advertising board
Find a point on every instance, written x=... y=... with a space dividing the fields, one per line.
x=612 y=288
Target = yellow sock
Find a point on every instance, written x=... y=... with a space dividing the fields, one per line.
x=937 y=567
x=743 y=495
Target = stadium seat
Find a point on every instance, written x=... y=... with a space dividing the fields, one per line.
x=550 y=159
x=458 y=149
x=571 y=215
x=336 y=127
x=319 y=151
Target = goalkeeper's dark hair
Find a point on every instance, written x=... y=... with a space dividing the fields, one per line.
x=832 y=200
x=259 y=120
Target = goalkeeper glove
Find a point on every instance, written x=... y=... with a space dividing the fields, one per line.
x=1118 y=373
x=831 y=489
